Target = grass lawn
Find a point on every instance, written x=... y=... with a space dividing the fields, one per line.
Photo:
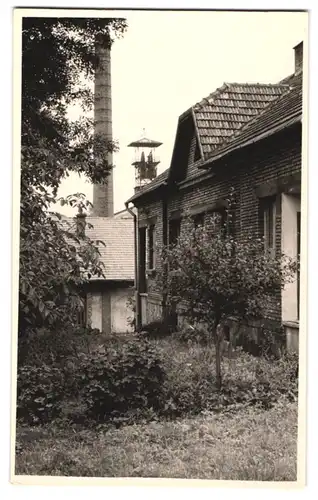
x=248 y=445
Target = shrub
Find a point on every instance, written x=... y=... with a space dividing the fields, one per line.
x=279 y=377
x=44 y=346
x=156 y=329
x=119 y=382
x=192 y=335
x=215 y=277
x=272 y=342
x=190 y=385
x=39 y=393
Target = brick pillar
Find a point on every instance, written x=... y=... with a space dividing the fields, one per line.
x=103 y=193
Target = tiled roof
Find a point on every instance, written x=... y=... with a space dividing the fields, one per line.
x=118 y=253
x=281 y=113
x=229 y=108
x=229 y=112
x=158 y=181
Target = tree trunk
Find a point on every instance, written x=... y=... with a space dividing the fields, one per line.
x=217 y=356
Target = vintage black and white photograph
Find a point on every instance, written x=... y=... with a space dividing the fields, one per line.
x=160 y=197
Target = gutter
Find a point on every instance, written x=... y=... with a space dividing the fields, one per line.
x=142 y=193
x=136 y=278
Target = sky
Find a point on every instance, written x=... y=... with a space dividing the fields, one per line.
x=168 y=61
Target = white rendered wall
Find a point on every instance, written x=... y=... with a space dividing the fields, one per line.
x=290 y=207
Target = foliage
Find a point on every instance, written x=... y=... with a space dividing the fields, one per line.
x=212 y=277
x=63 y=346
x=190 y=384
x=190 y=335
x=55 y=262
x=272 y=342
x=39 y=393
x=131 y=305
x=54 y=265
x=119 y=381
x=281 y=378
x=156 y=329
x=250 y=444
x=131 y=379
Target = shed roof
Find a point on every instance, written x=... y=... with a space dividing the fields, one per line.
x=118 y=253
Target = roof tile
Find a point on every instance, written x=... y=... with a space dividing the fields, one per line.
x=232 y=110
x=224 y=111
x=118 y=253
x=282 y=112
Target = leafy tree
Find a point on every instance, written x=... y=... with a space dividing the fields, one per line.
x=213 y=277
x=58 y=63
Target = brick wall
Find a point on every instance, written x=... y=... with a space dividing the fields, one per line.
x=273 y=158
x=153 y=210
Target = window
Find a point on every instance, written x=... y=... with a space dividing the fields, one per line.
x=174 y=231
x=198 y=220
x=268 y=214
x=217 y=221
x=151 y=246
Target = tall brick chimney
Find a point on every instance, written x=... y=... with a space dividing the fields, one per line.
x=298 y=51
x=103 y=196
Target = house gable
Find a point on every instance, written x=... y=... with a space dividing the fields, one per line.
x=205 y=127
x=186 y=149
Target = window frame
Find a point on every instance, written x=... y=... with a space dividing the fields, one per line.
x=198 y=219
x=176 y=223
x=151 y=247
x=222 y=213
x=268 y=223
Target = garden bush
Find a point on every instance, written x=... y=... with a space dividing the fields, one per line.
x=121 y=382
x=40 y=391
x=131 y=378
x=190 y=384
x=44 y=346
x=157 y=329
x=190 y=335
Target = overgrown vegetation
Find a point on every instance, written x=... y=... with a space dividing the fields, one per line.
x=54 y=261
x=163 y=396
x=214 y=277
x=247 y=445
x=176 y=413
x=134 y=379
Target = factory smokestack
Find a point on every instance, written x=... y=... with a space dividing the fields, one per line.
x=103 y=197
